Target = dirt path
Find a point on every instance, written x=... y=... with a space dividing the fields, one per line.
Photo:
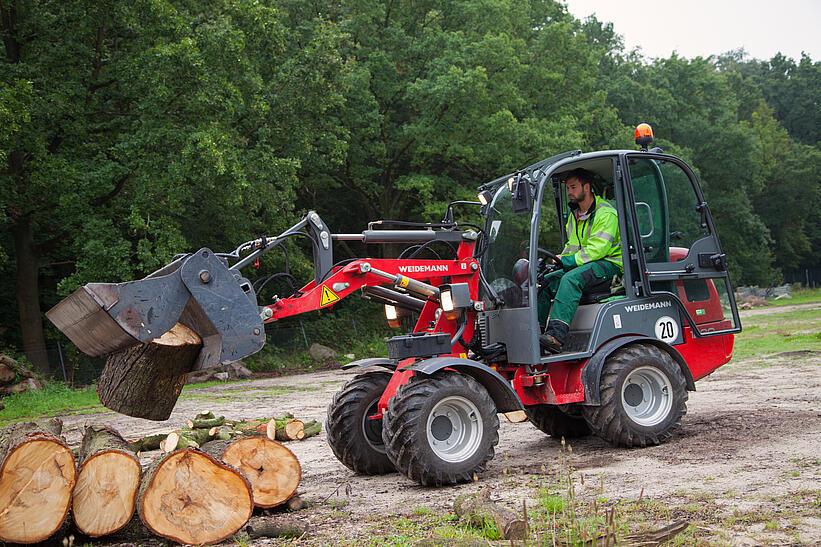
x=779 y=309
x=749 y=448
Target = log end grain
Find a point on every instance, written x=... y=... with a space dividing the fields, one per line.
x=106 y=492
x=36 y=480
x=272 y=469
x=189 y=497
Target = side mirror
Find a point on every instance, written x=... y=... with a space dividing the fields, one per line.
x=522 y=198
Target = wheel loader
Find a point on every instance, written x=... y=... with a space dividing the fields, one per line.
x=429 y=409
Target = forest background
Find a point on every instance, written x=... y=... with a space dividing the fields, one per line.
x=132 y=131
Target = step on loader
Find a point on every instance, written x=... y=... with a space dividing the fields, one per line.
x=429 y=408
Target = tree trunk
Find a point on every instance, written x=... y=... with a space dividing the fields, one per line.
x=106 y=491
x=189 y=497
x=145 y=380
x=28 y=294
x=478 y=508
x=37 y=475
x=273 y=470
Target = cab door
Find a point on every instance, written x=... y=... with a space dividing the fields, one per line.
x=675 y=249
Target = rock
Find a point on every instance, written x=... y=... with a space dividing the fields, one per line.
x=350 y=356
x=321 y=354
x=221 y=375
x=237 y=371
x=231 y=371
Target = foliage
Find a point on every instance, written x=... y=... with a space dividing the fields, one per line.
x=163 y=126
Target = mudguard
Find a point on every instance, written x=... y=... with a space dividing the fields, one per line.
x=591 y=375
x=383 y=362
x=499 y=389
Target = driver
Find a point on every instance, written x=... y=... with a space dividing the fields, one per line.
x=592 y=255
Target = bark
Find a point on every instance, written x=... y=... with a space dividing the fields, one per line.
x=146 y=380
x=190 y=497
x=205 y=423
x=37 y=476
x=150 y=442
x=28 y=294
x=185 y=438
x=106 y=491
x=276 y=527
x=289 y=430
x=312 y=428
x=296 y=503
x=478 y=508
x=272 y=469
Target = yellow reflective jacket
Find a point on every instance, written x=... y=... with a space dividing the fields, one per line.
x=594 y=237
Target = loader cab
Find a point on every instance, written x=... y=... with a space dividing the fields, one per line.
x=675 y=286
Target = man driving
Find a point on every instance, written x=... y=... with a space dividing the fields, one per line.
x=591 y=256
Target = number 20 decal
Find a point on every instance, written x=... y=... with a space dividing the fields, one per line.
x=666 y=329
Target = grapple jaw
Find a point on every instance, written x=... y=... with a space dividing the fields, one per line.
x=197 y=290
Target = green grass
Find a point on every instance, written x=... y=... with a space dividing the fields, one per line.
x=54 y=399
x=797 y=330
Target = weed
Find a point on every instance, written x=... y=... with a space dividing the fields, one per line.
x=421 y=511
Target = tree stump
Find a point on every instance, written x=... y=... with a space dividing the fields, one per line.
x=189 y=497
x=37 y=476
x=106 y=491
x=271 y=468
x=146 y=380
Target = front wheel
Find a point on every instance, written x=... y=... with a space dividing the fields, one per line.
x=643 y=397
x=441 y=429
x=356 y=440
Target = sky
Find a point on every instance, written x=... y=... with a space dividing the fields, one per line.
x=701 y=27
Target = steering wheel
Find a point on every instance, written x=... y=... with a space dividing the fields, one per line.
x=545 y=254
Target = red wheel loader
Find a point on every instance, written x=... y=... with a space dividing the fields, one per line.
x=429 y=408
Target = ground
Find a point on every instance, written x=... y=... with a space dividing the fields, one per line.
x=744 y=469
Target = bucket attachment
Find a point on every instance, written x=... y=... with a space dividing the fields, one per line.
x=197 y=290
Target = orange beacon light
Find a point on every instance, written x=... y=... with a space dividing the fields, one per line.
x=644 y=135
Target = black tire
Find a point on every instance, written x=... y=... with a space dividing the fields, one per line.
x=355 y=440
x=555 y=422
x=409 y=440
x=621 y=422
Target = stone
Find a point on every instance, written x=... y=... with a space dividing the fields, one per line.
x=321 y=354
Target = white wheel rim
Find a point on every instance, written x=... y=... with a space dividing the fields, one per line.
x=454 y=429
x=647 y=396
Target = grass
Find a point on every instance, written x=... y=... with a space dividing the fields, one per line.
x=54 y=399
x=796 y=330
x=798 y=296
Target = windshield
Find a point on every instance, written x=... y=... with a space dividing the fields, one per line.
x=508 y=240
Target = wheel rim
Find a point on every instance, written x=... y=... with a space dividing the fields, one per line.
x=372 y=429
x=647 y=396
x=454 y=429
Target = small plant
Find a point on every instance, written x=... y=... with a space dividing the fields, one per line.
x=422 y=511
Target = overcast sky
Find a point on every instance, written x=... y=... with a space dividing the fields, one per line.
x=705 y=27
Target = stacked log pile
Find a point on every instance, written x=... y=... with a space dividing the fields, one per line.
x=15 y=378
x=202 y=488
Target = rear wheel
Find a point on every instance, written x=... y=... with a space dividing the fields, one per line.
x=441 y=429
x=557 y=423
x=643 y=397
x=355 y=439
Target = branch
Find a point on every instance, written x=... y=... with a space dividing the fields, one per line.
x=118 y=187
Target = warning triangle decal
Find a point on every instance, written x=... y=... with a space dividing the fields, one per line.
x=328 y=296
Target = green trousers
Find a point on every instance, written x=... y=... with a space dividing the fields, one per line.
x=564 y=289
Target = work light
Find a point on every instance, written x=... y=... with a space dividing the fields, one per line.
x=392 y=315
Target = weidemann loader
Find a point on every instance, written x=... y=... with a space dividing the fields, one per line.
x=429 y=408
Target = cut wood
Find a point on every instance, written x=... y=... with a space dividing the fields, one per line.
x=205 y=423
x=185 y=438
x=477 y=509
x=276 y=527
x=37 y=476
x=296 y=503
x=290 y=430
x=190 y=497
x=312 y=428
x=146 y=380
x=149 y=442
x=8 y=362
x=271 y=468
x=106 y=490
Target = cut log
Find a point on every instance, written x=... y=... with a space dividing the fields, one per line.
x=290 y=430
x=296 y=503
x=149 y=442
x=185 y=438
x=276 y=527
x=146 y=380
x=205 y=423
x=106 y=491
x=271 y=468
x=477 y=509
x=37 y=476
x=190 y=497
x=312 y=428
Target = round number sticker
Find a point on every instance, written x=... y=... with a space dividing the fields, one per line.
x=667 y=329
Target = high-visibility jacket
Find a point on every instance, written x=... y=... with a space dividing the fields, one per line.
x=594 y=236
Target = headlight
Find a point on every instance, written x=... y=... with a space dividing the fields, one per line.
x=390 y=312
x=446 y=299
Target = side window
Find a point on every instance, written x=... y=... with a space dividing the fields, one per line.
x=666 y=202
x=550 y=231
